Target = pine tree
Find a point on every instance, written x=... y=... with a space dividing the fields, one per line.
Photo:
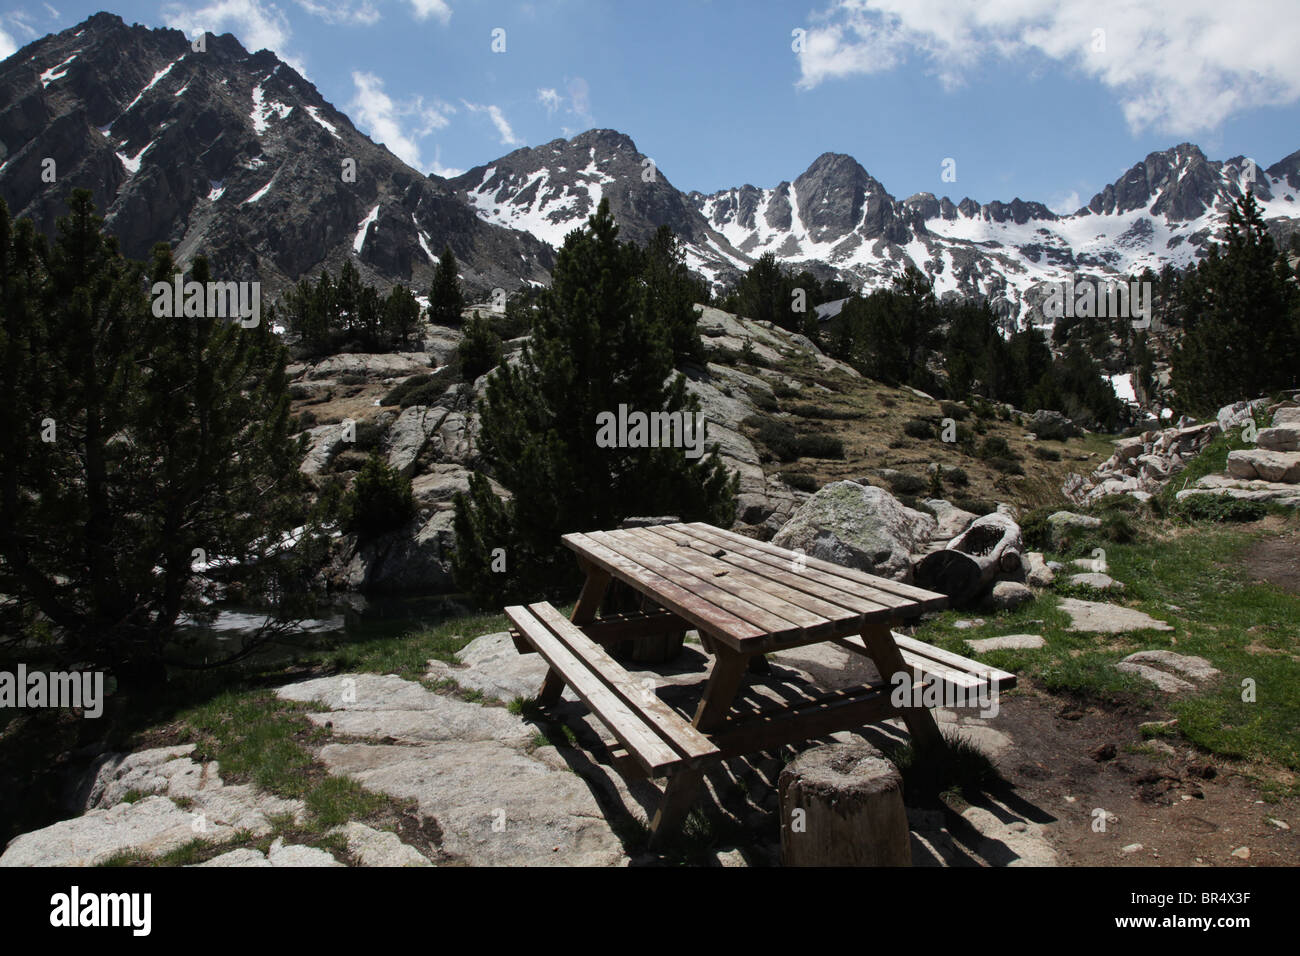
x=479 y=350
x=595 y=345
x=1239 y=308
x=137 y=440
x=672 y=293
x=445 y=299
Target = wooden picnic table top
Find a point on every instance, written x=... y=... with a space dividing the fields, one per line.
x=748 y=594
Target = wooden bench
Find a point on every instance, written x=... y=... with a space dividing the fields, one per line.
x=960 y=676
x=654 y=735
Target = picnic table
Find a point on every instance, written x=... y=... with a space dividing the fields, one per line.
x=745 y=598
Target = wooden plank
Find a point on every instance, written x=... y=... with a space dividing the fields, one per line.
x=726 y=627
x=584 y=610
x=838 y=606
x=889 y=661
x=720 y=690
x=921 y=665
x=919 y=598
x=669 y=724
x=627 y=627
x=770 y=624
x=1005 y=679
x=840 y=710
x=651 y=752
x=893 y=604
x=782 y=601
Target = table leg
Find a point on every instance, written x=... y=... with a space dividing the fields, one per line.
x=889 y=661
x=584 y=612
x=680 y=792
x=724 y=680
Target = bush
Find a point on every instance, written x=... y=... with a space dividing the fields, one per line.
x=765 y=401
x=787 y=445
x=807 y=410
x=351 y=378
x=403 y=388
x=782 y=390
x=379 y=501
x=369 y=436
x=480 y=349
x=1218 y=508
x=906 y=484
x=918 y=428
x=976 y=506
x=958 y=413
x=1046 y=454
x=995 y=446
x=956 y=477
x=299 y=392
x=304 y=420
x=799 y=481
x=1008 y=466
x=1035 y=529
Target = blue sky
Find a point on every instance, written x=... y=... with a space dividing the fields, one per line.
x=1030 y=98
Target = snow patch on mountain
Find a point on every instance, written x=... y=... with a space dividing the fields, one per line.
x=57 y=72
x=152 y=83
x=314 y=113
x=263 y=110
x=359 y=241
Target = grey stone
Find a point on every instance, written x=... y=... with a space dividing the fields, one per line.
x=1279 y=466
x=1006 y=596
x=952 y=520
x=860 y=527
x=491 y=664
x=1105 y=618
x=241 y=857
x=1161 y=679
x=1280 y=438
x=1197 y=668
x=495 y=805
x=379 y=847
x=374 y=705
x=1097 y=581
x=295 y=855
x=409 y=435
x=1037 y=573
x=1007 y=642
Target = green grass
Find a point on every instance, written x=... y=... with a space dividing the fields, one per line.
x=1220 y=614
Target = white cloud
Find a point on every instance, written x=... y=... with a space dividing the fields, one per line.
x=20 y=20
x=396 y=125
x=258 y=26
x=550 y=99
x=1179 y=66
x=447 y=172
x=1066 y=205
x=438 y=9
x=54 y=13
x=362 y=13
x=7 y=45
x=507 y=135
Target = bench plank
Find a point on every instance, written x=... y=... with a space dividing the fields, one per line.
x=669 y=724
x=651 y=752
x=1005 y=679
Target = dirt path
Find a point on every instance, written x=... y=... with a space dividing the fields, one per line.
x=1185 y=809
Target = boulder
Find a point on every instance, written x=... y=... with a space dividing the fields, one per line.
x=1006 y=596
x=1096 y=580
x=373 y=367
x=1037 y=573
x=1102 y=618
x=858 y=526
x=416 y=558
x=410 y=433
x=1051 y=425
x=1279 y=438
x=952 y=520
x=1007 y=642
x=1278 y=466
x=323 y=442
x=1238 y=413
x=1286 y=416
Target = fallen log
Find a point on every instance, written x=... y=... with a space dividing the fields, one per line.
x=973 y=560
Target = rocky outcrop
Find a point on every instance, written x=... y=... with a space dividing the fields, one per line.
x=1267 y=473
x=1140 y=466
x=859 y=526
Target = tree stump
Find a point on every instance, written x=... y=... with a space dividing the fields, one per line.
x=842 y=805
